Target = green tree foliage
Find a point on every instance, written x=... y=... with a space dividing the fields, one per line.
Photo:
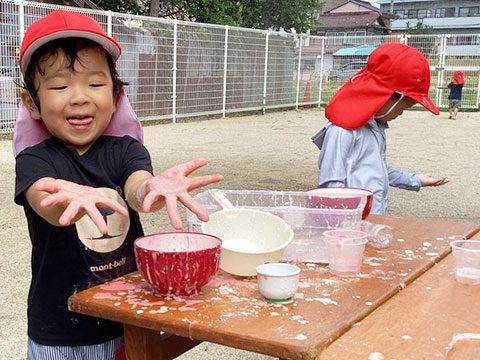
x=123 y=6
x=426 y=43
x=258 y=14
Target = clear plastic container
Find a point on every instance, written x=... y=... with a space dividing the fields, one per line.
x=307 y=214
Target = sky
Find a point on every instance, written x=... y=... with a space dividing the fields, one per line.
x=374 y=3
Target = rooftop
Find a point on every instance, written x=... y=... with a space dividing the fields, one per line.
x=350 y=20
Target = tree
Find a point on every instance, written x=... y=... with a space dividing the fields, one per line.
x=123 y=6
x=422 y=38
x=258 y=14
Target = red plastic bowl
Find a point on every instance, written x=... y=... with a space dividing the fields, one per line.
x=177 y=263
x=324 y=198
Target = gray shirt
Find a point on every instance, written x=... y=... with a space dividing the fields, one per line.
x=356 y=158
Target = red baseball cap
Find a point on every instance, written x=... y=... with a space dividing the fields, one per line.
x=62 y=24
x=390 y=68
x=458 y=77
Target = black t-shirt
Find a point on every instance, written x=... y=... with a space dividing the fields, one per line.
x=455 y=91
x=69 y=259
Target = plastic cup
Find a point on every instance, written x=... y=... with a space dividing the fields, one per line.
x=467 y=261
x=345 y=251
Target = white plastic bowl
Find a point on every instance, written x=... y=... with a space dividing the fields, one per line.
x=249 y=238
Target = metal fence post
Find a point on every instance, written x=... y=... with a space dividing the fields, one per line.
x=320 y=83
x=174 y=75
x=265 y=71
x=441 y=69
x=109 y=23
x=21 y=20
x=225 y=61
x=300 y=40
x=477 y=102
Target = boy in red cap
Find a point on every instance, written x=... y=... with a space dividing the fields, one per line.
x=353 y=144
x=455 y=97
x=78 y=148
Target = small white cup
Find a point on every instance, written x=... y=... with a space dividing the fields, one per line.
x=278 y=282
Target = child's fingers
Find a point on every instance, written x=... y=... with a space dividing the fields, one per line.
x=97 y=218
x=199 y=181
x=190 y=166
x=55 y=199
x=187 y=200
x=68 y=214
x=113 y=205
x=49 y=186
x=173 y=213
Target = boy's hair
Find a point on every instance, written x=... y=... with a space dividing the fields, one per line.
x=70 y=47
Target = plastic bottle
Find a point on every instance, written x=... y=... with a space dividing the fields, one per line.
x=379 y=236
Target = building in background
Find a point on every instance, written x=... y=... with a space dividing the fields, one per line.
x=443 y=16
x=353 y=18
x=353 y=28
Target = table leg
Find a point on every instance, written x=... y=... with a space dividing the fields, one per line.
x=146 y=344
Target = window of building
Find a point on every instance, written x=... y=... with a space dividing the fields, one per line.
x=412 y=13
x=335 y=38
x=469 y=11
x=422 y=13
x=346 y=38
x=399 y=13
x=445 y=12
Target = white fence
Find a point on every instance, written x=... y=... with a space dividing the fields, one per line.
x=181 y=69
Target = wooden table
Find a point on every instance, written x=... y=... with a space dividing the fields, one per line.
x=427 y=320
x=231 y=312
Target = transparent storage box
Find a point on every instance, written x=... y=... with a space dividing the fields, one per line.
x=308 y=214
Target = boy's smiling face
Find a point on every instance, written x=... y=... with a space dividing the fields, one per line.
x=75 y=106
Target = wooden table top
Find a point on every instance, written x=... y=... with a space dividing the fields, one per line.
x=230 y=311
x=427 y=320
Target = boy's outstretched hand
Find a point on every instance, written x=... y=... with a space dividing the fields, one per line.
x=171 y=186
x=429 y=180
x=75 y=201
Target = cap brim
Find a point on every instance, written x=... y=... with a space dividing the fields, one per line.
x=110 y=45
x=357 y=101
x=425 y=101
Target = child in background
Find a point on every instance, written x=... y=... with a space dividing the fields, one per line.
x=82 y=176
x=455 y=96
x=353 y=144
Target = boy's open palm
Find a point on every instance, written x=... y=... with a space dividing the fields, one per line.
x=75 y=201
x=429 y=180
x=174 y=185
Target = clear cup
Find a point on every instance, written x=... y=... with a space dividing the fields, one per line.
x=467 y=261
x=345 y=251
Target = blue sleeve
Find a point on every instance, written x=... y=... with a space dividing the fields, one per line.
x=332 y=163
x=403 y=180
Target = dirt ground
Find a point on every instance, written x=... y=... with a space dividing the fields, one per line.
x=268 y=152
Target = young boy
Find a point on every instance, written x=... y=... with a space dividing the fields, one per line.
x=455 y=96
x=353 y=143
x=78 y=152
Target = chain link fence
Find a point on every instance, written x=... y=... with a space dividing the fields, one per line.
x=181 y=69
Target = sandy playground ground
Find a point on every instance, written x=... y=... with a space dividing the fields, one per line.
x=267 y=152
